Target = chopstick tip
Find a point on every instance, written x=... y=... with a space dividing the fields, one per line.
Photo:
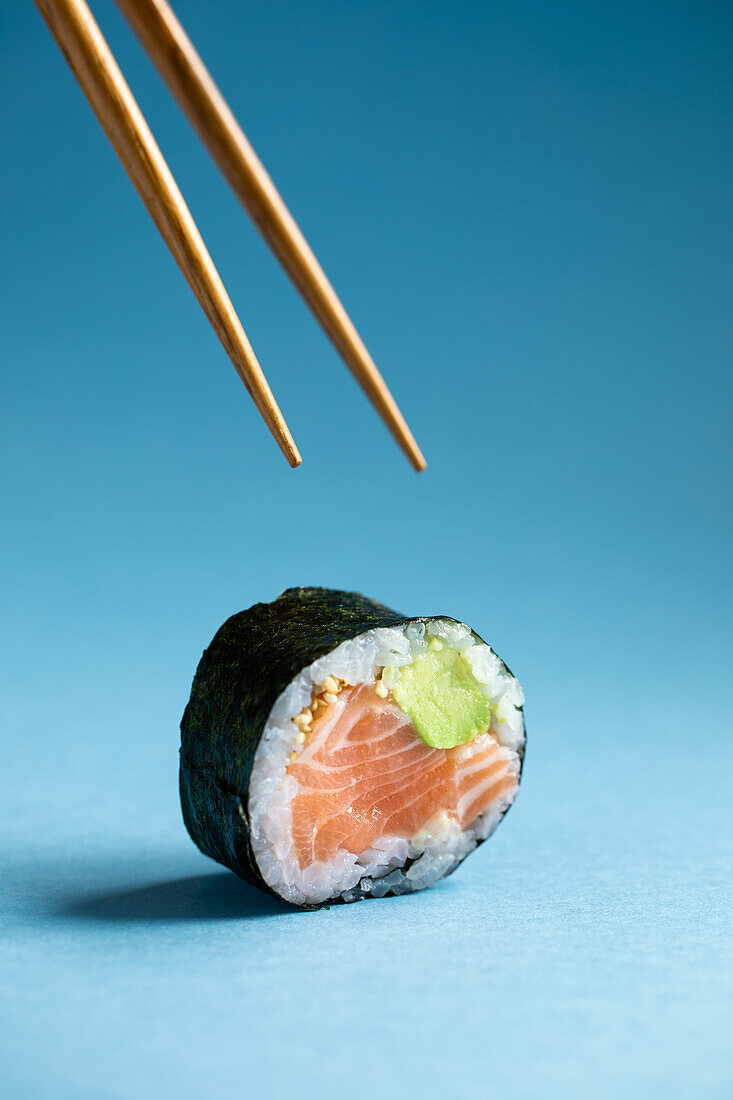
x=415 y=456
x=282 y=435
x=293 y=457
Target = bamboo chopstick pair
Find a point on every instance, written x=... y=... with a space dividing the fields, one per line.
x=170 y=49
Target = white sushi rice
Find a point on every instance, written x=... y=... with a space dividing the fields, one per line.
x=439 y=847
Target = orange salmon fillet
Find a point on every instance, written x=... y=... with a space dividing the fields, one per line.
x=364 y=774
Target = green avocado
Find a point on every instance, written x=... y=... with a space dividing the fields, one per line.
x=440 y=696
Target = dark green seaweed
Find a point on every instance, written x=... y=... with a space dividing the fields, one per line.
x=251 y=660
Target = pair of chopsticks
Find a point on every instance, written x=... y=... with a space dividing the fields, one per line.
x=173 y=54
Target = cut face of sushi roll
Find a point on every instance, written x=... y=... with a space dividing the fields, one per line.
x=372 y=768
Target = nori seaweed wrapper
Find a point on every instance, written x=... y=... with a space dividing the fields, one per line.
x=252 y=658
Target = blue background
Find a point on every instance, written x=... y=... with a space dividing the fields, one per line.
x=526 y=207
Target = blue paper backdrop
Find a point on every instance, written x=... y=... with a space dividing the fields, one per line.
x=527 y=209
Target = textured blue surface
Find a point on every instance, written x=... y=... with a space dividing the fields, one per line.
x=526 y=207
x=585 y=950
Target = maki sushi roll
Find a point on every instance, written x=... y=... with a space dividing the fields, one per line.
x=333 y=749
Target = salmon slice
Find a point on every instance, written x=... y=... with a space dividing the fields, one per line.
x=363 y=774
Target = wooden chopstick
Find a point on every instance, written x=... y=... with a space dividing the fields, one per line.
x=184 y=72
x=81 y=41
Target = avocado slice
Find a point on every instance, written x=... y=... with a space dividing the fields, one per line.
x=440 y=696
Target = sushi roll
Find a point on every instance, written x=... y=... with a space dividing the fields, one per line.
x=333 y=749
